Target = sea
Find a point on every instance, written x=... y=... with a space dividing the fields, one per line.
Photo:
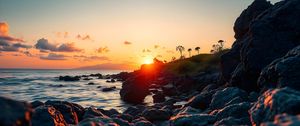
x=32 y=84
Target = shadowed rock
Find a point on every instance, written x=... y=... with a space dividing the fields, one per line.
x=47 y=116
x=273 y=102
x=14 y=113
x=193 y=120
x=92 y=112
x=156 y=115
x=284 y=120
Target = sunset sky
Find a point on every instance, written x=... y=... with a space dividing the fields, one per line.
x=115 y=34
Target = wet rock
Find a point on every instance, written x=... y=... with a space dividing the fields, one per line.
x=273 y=102
x=69 y=78
x=141 y=121
x=109 y=112
x=91 y=83
x=123 y=116
x=231 y=121
x=253 y=96
x=200 y=101
x=158 y=97
x=79 y=110
x=14 y=113
x=99 y=86
x=36 y=104
x=236 y=110
x=66 y=110
x=87 y=78
x=169 y=89
x=222 y=97
x=156 y=115
x=111 y=81
x=96 y=75
x=92 y=112
x=47 y=116
x=134 y=110
x=121 y=122
x=283 y=72
x=284 y=120
x=231 y=59
x=193 y=120
x=106 y=89
x=97 y=121
x=188 y=110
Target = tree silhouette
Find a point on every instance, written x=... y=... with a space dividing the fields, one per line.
x=197 y=49
x=180 y=49
x=218 y=47
x=190 y=50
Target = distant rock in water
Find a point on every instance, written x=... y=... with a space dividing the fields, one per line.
x=69 y=78
x=106 y=89
x=272 y=33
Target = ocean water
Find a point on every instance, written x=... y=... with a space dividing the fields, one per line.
x=30 y=85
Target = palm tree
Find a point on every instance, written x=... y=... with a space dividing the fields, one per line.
x=180 y=49
x=221 y=42
x=197 y=49
x=190 y=50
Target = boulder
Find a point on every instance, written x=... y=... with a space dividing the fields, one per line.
x=109 y=112
x=169 y=89
x=158 y=97
x=97 y=121
x=188 y=110
x=66 y=109
x=273 y=102
x=284 y=120
x=222 y=97
x=36 y=104
x=142 y=122
x=231 y=59
x=156 y=115
x=231 y=121
x=200 y=101
x=123 y=116
x=92 y=112
x=283 y=72
x=134 y=110
x=193 y=120
x=69 y=78
x=236 y=110
x=47 y=115
x=14 y=113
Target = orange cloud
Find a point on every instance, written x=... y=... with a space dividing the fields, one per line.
x=102 y=49
x=44 y=45
x=86 y=37
x=4 y=34
x=127 y=43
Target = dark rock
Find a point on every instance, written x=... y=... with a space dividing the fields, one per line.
x=99 y=86
x=188 y=110
x=91 y=83
x=123 y=116
x=122 y=76
x=96 y=75
x=36 y=104
x=92 y=113
x=141 y=121
x=14 y=113
x=253 y=96
x=193 y=120
x=231 y=121
x=97 y=121
x=47 y=116
x=158 y=97
x=222 y=97
x=87 y=78
x=111 y=81
x=236 y=110
x=169 y=89
x=79 y=110
x=283 y=120
x=273 y=102
x=231 y=59
x=121 y=122
x=109 y=112
x=156 y=115
x=134 y=110
x=69 y=78
x=201 y=101
x=106 y=89
x=283 y=72
x=66 y=110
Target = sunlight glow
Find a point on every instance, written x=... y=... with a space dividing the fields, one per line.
x=148 y=60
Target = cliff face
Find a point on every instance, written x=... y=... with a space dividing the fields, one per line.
x=263 y=33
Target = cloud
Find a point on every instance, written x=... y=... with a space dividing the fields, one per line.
x=4 y=43
x=7 y=47
x=44 y=45
x=102 y=49
x=27 y=53
x=53 y=56
x=91 y=58
x=146 y=50
x=4 y=34
x=127 y=43
x=20 y=45
x=86 y=37
x=156 y=46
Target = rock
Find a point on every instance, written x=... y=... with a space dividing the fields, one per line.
x=91 y=83
x=158 y=97
x=141 y=121
x=222 y=97
x=36 y=104
x=135 y=89
x=134 y=110
x=121 y=122
x=236 y=110
x=273 y=102
x=79 y=110
x=193 y=120
x=96 y=75
x=111 y=81
x=106 y=89
x=109 y=112
x=231 y=121
x=122 y=76
x=14 y=113
x=99 y=86
x=66 y=110
x=86 y=78
x=253 y=96
x=92 y=112
x=156 y=115
x=69 y=78
x=283 y=72
x=231 y=59
x=188 y=110
x=169 y=89
x=47 y=116
x=200 y=101
x=284 y=120
x=97 y=121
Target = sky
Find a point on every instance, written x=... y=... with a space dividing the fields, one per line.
x=112 y=34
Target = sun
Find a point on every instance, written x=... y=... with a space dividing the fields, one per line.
x=148 y=61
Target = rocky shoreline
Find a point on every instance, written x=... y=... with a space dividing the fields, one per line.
x=258 y=84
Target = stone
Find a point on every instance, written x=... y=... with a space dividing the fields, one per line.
x=273 y=102
x=69 y=78
x=14 y=113
x=107 y=89
x=222 y=97
x=284 y=120
x=97 y=121
x=200 y=101
x=156 y=115
x=169 y=89
x=158 y=97
x=193 y=120
x=92 y=112
x=36 y=104
x=47 y=115
x=283 y=72
x=231 y=121
x=236 y=110
x=66 y=110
